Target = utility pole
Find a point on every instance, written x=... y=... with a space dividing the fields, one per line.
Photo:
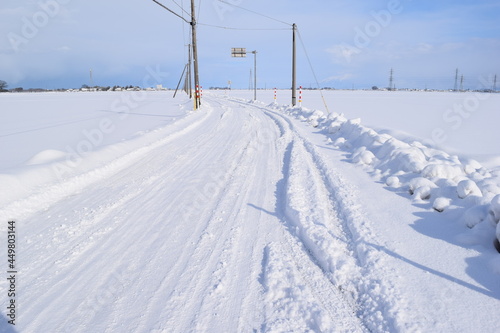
x=250 y=80
x=241 y=52
x=456 y=81
x=495 y=83
x=462 y=83
x=294 y=67
x=189 y=83
x=197 y=101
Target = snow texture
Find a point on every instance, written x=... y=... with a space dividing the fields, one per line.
x=136 y=214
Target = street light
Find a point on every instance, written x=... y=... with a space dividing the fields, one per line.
x=241 y=52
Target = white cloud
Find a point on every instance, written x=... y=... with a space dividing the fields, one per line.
x=64 y=49
x=342 y=77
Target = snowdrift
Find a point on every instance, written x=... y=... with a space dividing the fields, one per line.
x=433 y=178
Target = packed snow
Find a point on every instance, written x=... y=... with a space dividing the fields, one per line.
x=135 y=213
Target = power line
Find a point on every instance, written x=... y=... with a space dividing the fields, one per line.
x=254 y=12
x=181 y=7
x=199 y=10
x=242 y=29
x=197 y=101
x=312 y=70
x=170 y=10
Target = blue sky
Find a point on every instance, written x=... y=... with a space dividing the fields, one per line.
x=55 y=43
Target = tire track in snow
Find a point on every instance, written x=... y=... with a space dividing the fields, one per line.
x=333 y=309
x=216 y=297
x=379 y=303
x=145 y=239
x=246 y=245
x=184 y=273
x=87 y=235
x=376 y=300
x=311 y=239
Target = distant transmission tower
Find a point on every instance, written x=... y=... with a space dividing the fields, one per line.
x=456 y=81
x=462 y=83
x=495 y=83
x=391 y=79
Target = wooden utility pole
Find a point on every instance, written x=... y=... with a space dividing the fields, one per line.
x=197 y=101
x=189 y=82
x=294 y=67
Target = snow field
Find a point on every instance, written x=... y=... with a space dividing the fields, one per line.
x=239 y=218
x=109 y=249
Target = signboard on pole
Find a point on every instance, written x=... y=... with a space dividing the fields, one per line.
x=238 y=52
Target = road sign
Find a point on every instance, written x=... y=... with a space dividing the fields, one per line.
x=238 y=52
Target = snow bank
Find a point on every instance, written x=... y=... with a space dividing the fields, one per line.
x=39 y=157
x=442 y=181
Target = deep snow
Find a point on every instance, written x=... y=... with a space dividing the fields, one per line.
x=463 y=123
x=136 y=214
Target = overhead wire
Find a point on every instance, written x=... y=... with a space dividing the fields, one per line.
x=245 y=29
x=171 y=11
x=313 y=72
x=199 y=10
x=181 y=7
x=254 y=12
x=183 y=27
x=254 y=29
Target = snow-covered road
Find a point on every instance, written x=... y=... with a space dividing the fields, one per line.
x=231 y=219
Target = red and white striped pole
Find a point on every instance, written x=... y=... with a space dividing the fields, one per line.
x=197 y=94
x=300 y=96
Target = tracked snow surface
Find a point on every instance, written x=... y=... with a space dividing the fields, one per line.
x=136 y=214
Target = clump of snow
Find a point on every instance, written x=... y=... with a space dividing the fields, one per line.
x=468 y=187
x=441 y=203
x=46 y=156
x=340 y=142
x=316 y=115
x=421 y=187
x=497 y=241
x=471 y=166
x=363 y=156
x=474 y=215
x=444 y=171
x=392 y=181
x=334 y=127
x=396 y=155
x=495 y=209
x=314 y=122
